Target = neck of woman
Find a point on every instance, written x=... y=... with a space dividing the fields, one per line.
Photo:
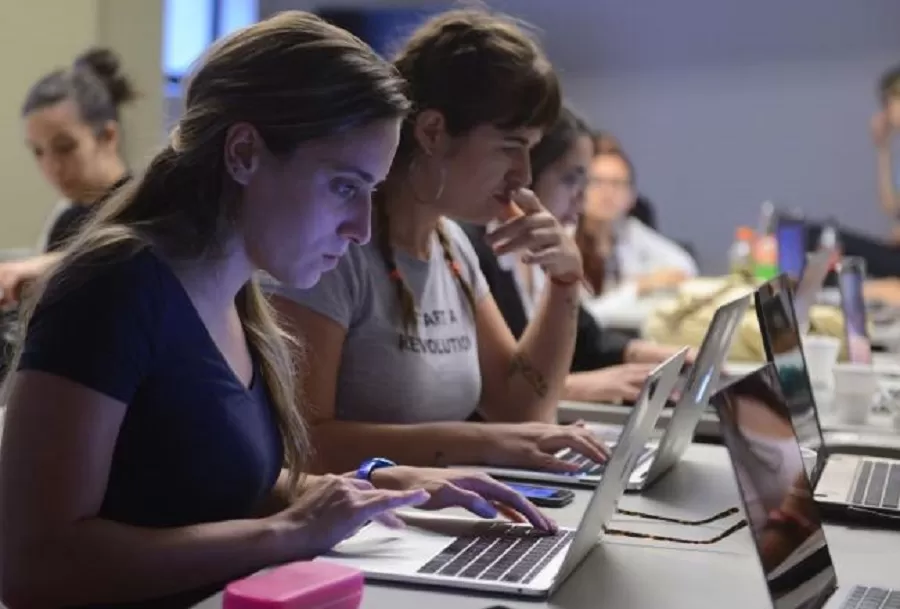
x=111 y=175
x=601 y=234
x=411 y=222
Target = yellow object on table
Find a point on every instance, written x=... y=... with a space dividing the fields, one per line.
x=685 y=318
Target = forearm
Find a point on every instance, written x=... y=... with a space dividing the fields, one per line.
x=540 y=364
x=281 y=495
x=98 y=561
x=645 y=352
x=580 y=387
x=886 y=189
x=342 y=445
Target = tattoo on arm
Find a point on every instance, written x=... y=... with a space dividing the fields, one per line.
x=532 y=376
x=439 y=459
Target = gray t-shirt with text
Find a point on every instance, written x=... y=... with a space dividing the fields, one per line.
x=388 y=374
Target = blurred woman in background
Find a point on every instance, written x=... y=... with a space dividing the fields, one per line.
x=642 y=209
x=72 y=127
x=624 y=259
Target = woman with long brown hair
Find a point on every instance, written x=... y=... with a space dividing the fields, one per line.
x=153 y=446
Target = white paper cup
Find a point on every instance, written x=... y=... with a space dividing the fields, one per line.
x=821 y=354
x=855 y=390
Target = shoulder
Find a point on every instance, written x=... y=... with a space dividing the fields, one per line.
x=112 y=290
x=66 y=225
x=469 y=258
x=640 y=234
x=636 y=228
x=474 y=235
x=116 y=275
x=339 y=294
x=100 y=321
x=459 y=238
x=473 y=232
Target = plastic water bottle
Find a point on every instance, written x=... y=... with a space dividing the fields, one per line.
x=740 y=255
x=829 y=240
x=765 y=248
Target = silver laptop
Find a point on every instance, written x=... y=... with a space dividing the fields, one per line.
x=494 y=556
x=703 y=380
x=589 y=472
x=845 y=485
x=778 y=499
x=656 y=460
x=806 y=294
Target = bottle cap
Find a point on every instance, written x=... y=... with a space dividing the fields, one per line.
x=744 y=233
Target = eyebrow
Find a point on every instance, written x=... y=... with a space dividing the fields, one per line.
x=364 y=175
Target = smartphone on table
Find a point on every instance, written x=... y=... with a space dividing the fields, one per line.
x=543 y=496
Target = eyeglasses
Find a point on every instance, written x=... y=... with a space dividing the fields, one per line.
x=619 y=185
x=717 y=538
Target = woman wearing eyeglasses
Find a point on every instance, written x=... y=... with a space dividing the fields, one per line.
x=624 y=259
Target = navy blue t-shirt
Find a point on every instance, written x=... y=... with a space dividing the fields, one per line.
x=196 y=445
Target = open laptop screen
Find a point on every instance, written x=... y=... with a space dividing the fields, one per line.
x=809 y=286
x=851 y=279
x=781 y=338
x=778 y=500
x=790 y=234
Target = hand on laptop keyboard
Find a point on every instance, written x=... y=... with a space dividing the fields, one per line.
x=474 y=491
x=534 y=445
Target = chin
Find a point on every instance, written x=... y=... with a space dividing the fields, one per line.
x=301 y=277
x=480 y=217
x=305 y=278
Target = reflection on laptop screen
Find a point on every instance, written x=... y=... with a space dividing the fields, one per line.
x=781 y=337
x=851 y=277
x=778 y=500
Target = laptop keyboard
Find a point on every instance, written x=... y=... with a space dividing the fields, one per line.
x=864 y=597
x=586 y=467
x=877 y=485
x=506 y=553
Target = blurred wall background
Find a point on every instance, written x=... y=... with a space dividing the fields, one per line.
x=722 y=105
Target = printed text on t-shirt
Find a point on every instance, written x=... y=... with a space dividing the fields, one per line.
x=436 y=346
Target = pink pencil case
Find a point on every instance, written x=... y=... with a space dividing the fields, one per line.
x=306 y=585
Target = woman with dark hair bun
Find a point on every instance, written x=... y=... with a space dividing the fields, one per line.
x=73 y=129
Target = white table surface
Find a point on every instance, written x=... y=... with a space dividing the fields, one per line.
x=625 y=573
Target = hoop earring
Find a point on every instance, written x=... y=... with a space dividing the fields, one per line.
x=442 y=181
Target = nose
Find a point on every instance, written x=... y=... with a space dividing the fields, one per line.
x=358 y=227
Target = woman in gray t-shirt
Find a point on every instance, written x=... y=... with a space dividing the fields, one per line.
x=405 y=343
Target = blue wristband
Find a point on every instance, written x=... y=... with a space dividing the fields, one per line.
x=370 y=465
